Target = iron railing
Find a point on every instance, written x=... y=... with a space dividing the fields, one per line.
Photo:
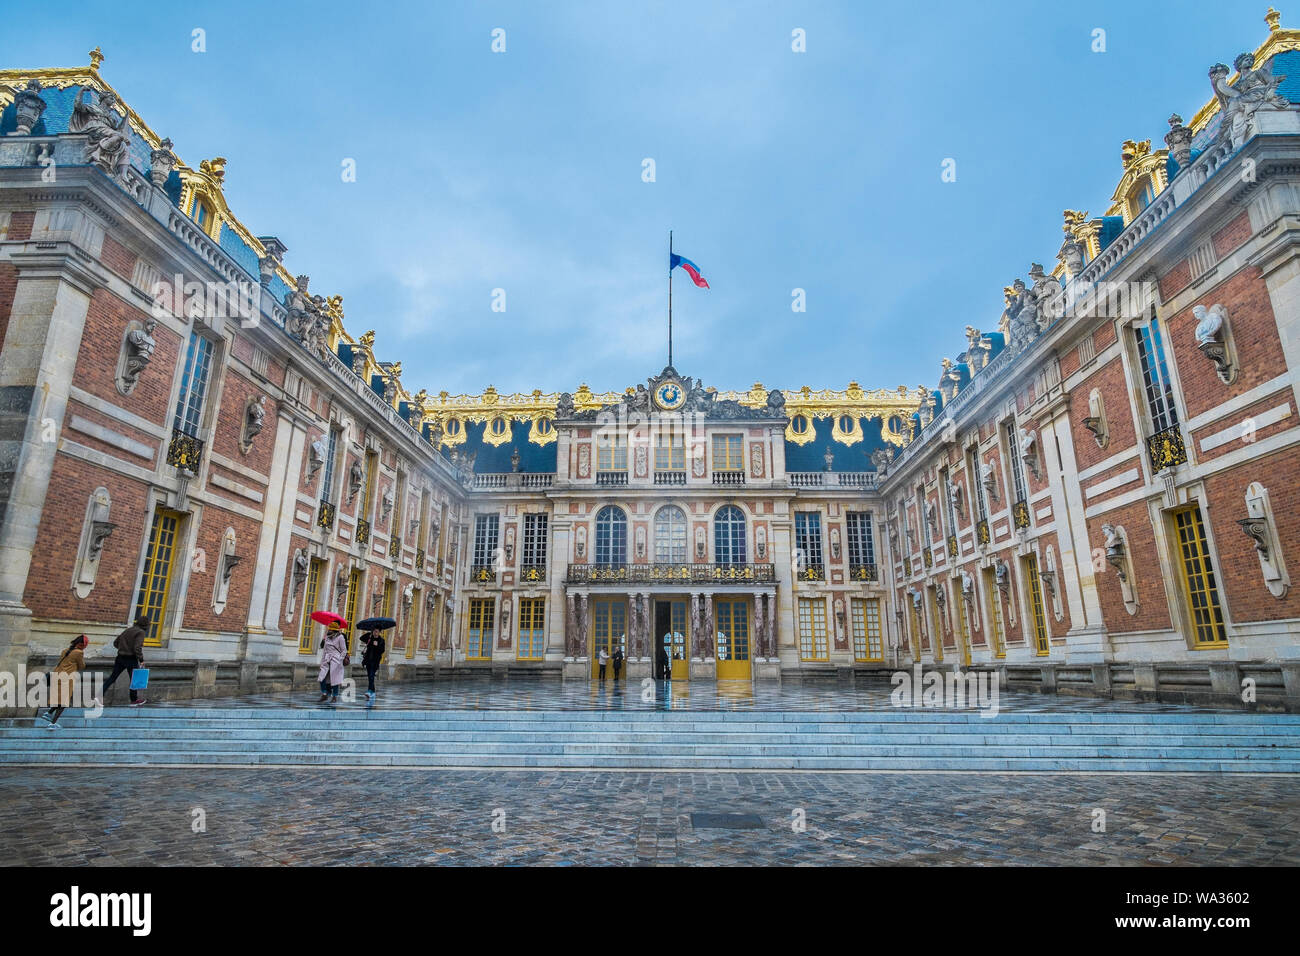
x=184 y=451
x=1166 y=448
x=673 y=573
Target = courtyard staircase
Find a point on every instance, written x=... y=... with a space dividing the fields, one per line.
x=865 y=740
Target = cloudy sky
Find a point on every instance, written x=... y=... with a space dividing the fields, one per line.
x=776 y=170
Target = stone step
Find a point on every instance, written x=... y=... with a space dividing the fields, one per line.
x=358 y=736
x=235 y=759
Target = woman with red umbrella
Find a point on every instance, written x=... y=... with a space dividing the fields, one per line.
x=333 y=655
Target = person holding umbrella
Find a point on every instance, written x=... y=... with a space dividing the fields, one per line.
x=375 y=646
x=333 y=654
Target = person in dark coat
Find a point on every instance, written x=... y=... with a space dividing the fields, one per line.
x=130 y=655
x=72 y=661
x=663 y=668
x=375 y=645
x=617 y=661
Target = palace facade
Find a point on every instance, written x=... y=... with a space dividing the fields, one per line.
x=1094 y=497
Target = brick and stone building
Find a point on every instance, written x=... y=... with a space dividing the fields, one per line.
x=1096 y=497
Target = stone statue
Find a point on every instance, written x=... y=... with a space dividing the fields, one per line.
x=564 y=406
x=140 y=347
x=829 y=458
x=254 y=418
x=408 y=596
x=298 y=304
x=299 y=568
x=776 y=401
x=316 y=458
x=1209 y=323
x=109 y=134
x=1045 y=294
x=355 y=478
x=988 y=478
x=1255 y=90
x=1023 y=326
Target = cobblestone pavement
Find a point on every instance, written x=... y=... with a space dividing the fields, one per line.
x=144 y=817
x=487 y=694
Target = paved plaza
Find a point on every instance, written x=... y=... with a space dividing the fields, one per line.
x=114 y=817
x=147 y=816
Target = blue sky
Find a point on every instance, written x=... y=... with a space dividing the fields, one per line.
x=776 y=170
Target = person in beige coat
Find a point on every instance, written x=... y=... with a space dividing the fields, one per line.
x=72 y=662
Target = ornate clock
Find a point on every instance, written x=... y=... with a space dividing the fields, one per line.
x=670 y=395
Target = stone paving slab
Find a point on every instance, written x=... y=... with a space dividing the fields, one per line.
x=115 y=817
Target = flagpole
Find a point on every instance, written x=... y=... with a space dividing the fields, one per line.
x=670 y=298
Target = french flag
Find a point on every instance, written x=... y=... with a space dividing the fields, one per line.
x=691 y=268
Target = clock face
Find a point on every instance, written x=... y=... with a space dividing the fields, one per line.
x=669 y=396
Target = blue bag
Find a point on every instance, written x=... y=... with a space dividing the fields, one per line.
x=140 y=678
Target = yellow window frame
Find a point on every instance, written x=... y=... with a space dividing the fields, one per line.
x=1042 y=639
x=1199 y=582
x=728 y=452
x=814 y=644
x=308 y=605
x=481 y=619
x=155 y=577
x=868 y=639
x=531 y=645
x=997 y=634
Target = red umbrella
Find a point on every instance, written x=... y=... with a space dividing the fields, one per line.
x=329 y=619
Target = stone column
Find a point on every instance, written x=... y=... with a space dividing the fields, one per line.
x=42 y=342
x=706 y=645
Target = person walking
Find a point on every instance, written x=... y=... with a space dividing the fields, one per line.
x=72 y=662
x=663 y=669
x=130 y=655
x=603 y=659
x=333 y=658
x=617 y=661
x=374 y=653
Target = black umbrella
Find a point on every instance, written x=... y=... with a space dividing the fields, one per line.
x=376 y=624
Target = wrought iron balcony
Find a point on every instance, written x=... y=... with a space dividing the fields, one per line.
x=927 y=557
x=419 y=559
x=482 y=573
x=532 y=573
x=363 y=531
x=1020 y=514
x=394 y=546
x=674 y=573
x=1166 y=448
x=982 y=531
x=728 y=477
x=184 y=451
x=953 y=547
x=863 y=572
x=611 y=478
x=812 y=572
x=670 y=477
x=325 y=515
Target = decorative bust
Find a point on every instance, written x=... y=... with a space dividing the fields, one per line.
x=254 y=419
x=1209 y=323
x=140 y=347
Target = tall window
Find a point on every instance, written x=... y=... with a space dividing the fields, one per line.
x=386 y=602
x=532 y=629
x=949 y=511
x=1157 y=386
x=728 y=453
x=155 y=579
x=670 y=451
x=862 y=548
x=867 y=642
x=808 y=536
x=997 y=633
x=611 y=536
x=1041 y=639
x=729 y=536
x=331 y=451
x=482 y=619
x=350 y=609
x=670 y=535
x=535 y=529
x=399 y=505
x=194 y=385
x=975 y=482
x=813 y=645
x=309 y=605
x=924 y=512
x=372 y=472
x=611 y=452
x=938 y=624
x=486 y=528
x=1199 y=585
x=1013 y=457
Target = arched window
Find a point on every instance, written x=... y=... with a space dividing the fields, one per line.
x=670 y=535
x=611 y=536
x=729 y=536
